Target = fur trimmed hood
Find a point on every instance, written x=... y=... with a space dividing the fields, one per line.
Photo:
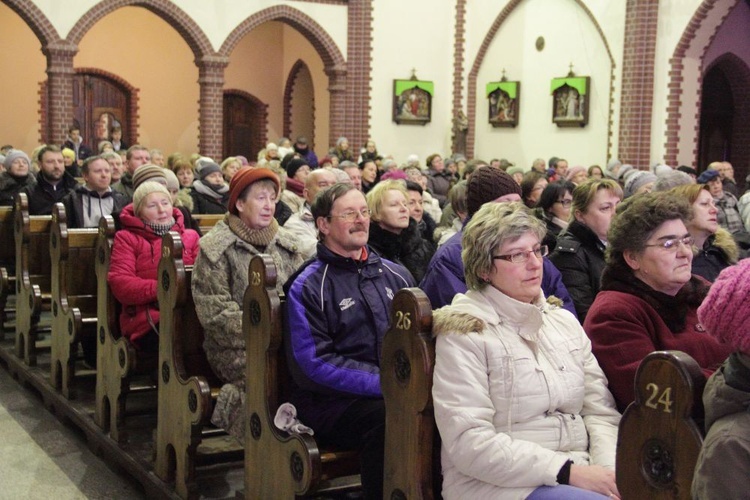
x=474 y=311
x=723 y=241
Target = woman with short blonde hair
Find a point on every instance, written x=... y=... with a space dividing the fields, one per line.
x=520 y=401
x=394 y=235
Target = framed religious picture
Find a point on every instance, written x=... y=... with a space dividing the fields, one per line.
x=412 y=101
x=570 y=100
x=504 y=98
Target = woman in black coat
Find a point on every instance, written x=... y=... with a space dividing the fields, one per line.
x=579 y=254
x=394 y=235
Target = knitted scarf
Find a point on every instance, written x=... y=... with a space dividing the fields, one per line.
x=208 y=189
x=259 y=238
x=161 y=229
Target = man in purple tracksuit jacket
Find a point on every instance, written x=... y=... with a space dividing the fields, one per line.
x=337 y=311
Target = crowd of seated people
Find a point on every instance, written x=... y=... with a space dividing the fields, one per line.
x=611 y=262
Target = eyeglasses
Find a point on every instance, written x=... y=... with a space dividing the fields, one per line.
x=674 y=243
x=565 y=203
x=352 y=215
x=523 y=257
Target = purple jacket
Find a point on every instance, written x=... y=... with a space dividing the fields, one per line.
x=445 y=277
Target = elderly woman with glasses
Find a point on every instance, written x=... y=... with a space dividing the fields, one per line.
x=649 y=298
x=521 y=403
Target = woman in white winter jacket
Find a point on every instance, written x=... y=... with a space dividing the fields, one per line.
x=522 y=406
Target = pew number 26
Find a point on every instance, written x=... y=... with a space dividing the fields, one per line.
x=403 y=320
x=658 y=398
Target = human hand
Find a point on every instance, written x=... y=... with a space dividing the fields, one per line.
x=594 y=478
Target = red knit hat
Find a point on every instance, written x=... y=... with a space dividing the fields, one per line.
x=243 y=178
x=725 y=312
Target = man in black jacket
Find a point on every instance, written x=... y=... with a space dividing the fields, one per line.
x=53 y=182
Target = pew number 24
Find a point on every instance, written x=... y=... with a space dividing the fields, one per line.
x=659 y=398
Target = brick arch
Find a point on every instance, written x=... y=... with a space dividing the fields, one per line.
x=694 y=42
x=288 y=90
x=311 y=30
x=166 y=10
x=482 y=52
x=738 y=76
x=34 y=19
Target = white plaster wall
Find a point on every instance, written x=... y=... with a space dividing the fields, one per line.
x=413 y=34
x=514 y=49
x=217 y=18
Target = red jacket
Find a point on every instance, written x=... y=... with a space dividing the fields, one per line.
x=624 y=325
x=132 y=273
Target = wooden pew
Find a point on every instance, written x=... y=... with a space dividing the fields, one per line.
x=661 y=432
x=73 y=297
x=33 y=277
x=206 y=222
x=7 y=268
x=279 y=464
x=188 y=386
x=117 y=361
x=412 y=443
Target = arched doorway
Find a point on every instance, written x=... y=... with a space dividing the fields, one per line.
x=299 y=104
x=725 y=105
x=716 y=118
x=101 y=101
x=245 y=124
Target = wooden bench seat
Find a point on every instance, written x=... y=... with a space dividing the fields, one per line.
x=33 y=278
x=412 y=442
x=661 y=432
x=7 y=270
x=279 y=464
x=206 y=222
x=117 y=361
x=74 y=289
x=188 y=386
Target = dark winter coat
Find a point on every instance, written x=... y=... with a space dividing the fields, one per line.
x=439 y=184
x=629 y=319
x=43 y=195
x=579 y=256
x=408 y=248
x=203 y=204
x=719 y=251
x=10 y=186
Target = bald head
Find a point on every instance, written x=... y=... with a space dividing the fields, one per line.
x=316 y=181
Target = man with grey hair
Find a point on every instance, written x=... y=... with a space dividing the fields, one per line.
x=352 y=170
x=136 y=156
x=539 y=165
x=301 y=224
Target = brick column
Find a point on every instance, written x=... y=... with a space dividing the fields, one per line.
x=641 y=19
x=359 y=73
x=211 y=105
x=460 y=122
x=59 y=90
x=337 y=114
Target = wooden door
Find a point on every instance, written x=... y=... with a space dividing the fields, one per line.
x=244 y=125
x=717 y=117
x=99 y=103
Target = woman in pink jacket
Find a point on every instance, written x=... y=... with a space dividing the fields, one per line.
x=135 y=260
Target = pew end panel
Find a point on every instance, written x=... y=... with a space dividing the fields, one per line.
x=33 y=277
x=7 y=268
x=187 y=384
x=412 y=443
x=117 y=360
x=73 y=297
x=279 y=464
x=660 y=433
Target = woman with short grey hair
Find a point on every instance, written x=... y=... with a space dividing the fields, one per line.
x=522 y=406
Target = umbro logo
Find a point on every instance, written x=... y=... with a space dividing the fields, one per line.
x=346 y=303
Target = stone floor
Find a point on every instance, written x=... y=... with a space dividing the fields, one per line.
x=42 y=458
